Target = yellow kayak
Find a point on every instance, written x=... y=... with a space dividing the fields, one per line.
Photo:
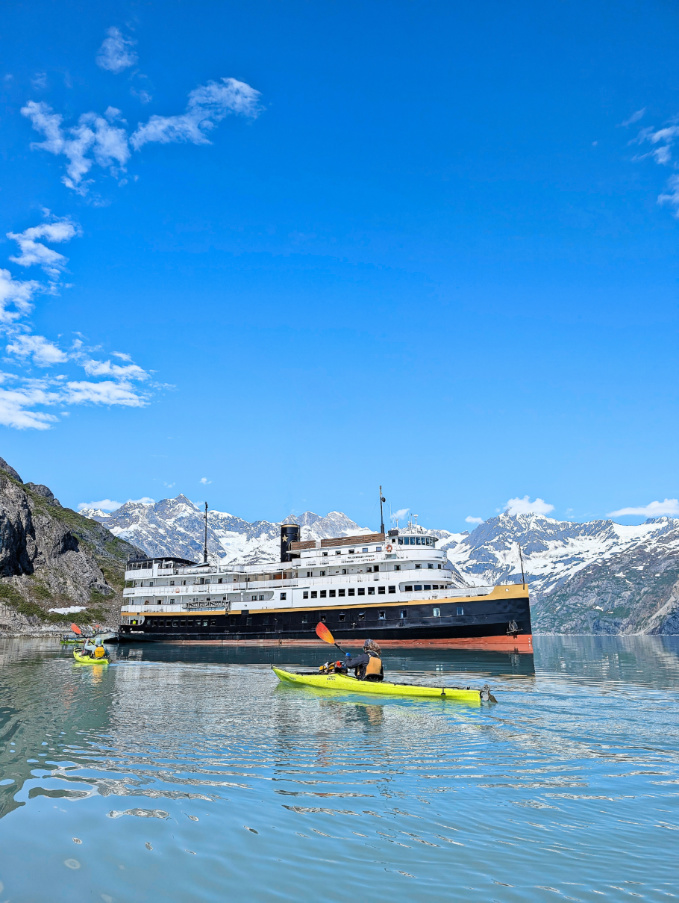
x=382 y=688
x=88 y=659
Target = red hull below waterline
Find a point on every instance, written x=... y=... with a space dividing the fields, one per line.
x=520 y=644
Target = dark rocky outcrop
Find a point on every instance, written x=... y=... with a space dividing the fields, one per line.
x=53 y=557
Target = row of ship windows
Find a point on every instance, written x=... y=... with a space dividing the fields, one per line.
x=197 y=622
x=361 y=591
x=321 y=573
x=332 y=593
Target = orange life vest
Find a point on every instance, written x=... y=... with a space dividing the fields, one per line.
x=374 y=667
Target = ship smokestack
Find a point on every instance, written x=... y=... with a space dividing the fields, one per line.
x=289 y=533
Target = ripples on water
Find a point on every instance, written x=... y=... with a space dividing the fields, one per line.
x=187 y=773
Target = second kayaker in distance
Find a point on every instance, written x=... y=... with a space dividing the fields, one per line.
x=368 y=665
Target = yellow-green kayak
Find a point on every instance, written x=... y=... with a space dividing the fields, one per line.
x=382 y=688
x=89 y=660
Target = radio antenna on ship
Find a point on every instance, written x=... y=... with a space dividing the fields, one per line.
x=205 y=542
x=382 y=501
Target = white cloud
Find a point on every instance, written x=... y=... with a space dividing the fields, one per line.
x=205 y=481
x=525 y=506
x=116 y=371
x=671 y=196
x=104 y=140
x=662 y=142
x=32 y=251
x=635 y=117
x=473 y=520
x=14 y=404
x=18 y=405
x=39 y=81
x=102 y=505
x=669 y=507
x=142 y=95
x=94 y=139
x=106 y=392
x=116 y=53
x=144 y=500
x=401 y=514
x=37 y=348
x=15 y=297
x=207 y=105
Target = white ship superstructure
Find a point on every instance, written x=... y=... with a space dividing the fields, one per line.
x=398 y=584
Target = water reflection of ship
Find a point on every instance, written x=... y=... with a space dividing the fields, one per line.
x=432 y=661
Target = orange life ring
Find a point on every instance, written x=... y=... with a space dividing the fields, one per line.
x=389 y=548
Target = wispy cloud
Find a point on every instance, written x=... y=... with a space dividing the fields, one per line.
x=37 y=348
x=104 y=140
x=107 y=392
x=39 y=81
x=16 y=296
x=95 y=139
x=101 y=505
x=118 y=371
x=635 y=117
x=401 y=514
x=17 y=408
x=662 y=143
x=207 y=105
x=473 y=520
x=32 y=251
x=205 y=481
x=23 y=397
x=116 y=53
x=670 y=507
x=525 y=506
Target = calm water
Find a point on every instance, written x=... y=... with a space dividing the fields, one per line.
x=187 y=773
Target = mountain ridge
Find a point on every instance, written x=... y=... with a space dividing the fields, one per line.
x=572 y=568
x=55 y=564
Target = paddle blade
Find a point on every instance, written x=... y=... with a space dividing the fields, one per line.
x=324 y=634
x=76 y=629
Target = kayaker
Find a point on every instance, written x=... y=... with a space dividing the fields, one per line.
x=368 y=665
x=94 y=649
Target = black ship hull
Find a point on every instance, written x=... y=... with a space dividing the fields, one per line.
x=500 y=620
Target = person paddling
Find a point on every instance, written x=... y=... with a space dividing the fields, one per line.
x=368 y=665
x=94 y=649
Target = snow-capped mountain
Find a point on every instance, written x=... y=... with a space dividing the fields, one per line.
x=175 y=527
x=596 y=577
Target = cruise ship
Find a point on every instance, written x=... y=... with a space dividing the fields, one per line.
x=395 y=587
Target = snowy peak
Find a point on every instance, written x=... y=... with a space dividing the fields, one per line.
x=584 y=577
x=175 y=527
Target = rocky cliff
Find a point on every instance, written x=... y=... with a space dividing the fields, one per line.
x=56 y=566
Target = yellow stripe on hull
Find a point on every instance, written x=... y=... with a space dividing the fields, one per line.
x=349 y=684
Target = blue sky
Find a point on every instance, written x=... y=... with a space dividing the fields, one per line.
x=297 y=250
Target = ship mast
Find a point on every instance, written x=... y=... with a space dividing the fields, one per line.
x=523 y=576
x=205 y=541
x=382 y=501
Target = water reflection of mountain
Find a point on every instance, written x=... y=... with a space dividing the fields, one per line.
x=648 y=661
x=48 y=704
